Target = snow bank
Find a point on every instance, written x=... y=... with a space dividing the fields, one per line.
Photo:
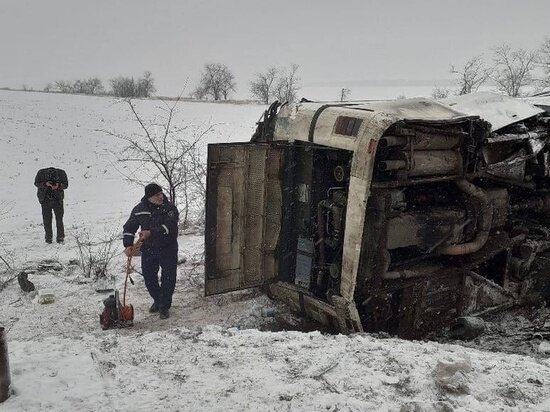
x=219 y=369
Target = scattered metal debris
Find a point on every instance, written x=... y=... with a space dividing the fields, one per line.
x=467 y=328
x=24 y=283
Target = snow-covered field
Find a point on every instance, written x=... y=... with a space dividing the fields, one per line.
x=214 y=353
x=374 y=92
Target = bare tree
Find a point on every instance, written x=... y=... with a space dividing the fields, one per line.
x=145 y=86
x=228 y=83
x=169 y=155
x=513 y=69
x=288 y=84
x=217 y=81
x=345 y=93
x=472 y=75
x=544 y=62
x=263 y=84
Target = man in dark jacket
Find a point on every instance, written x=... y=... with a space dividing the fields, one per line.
x=51 y=183
x=158 y=219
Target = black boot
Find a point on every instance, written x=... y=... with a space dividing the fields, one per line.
x=154 y=308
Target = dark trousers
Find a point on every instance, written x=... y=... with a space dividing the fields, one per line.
x=167 y=260
x=57 y=208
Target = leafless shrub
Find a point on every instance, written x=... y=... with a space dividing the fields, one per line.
x=169 y=155
x=127 y=87
x=440 y=92
x=5 y=260
x=5 y=256
x=194 y=272
x=95 y=255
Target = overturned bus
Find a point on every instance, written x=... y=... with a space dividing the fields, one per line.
x=394 y=216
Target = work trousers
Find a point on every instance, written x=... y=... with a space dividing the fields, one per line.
x=151 y=261
x=57 y=208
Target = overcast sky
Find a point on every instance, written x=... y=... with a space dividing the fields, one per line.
x=332 y=41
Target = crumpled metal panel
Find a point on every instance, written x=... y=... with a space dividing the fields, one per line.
x=497 y=109
x=296 y=122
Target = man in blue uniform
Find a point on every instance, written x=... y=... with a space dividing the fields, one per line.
x=158 y=220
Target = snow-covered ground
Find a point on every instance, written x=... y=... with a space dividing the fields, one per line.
x=215 y=353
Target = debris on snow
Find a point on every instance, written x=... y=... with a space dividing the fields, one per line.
x=451 y=375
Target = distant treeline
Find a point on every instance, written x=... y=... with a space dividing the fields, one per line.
x=515 y=72
x=120 y=86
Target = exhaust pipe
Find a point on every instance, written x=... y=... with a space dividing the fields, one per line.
x=5 y=379
x=485 y=221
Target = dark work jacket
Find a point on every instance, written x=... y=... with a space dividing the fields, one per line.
x=51 y=174
x=161 y=220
